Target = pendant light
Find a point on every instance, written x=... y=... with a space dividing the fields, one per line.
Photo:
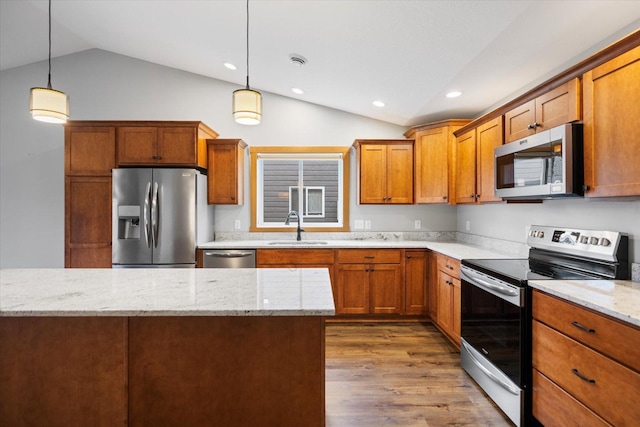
x=47 y=104
x=247 y=103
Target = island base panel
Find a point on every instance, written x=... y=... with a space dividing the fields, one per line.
x=63 y=371
x=227 y=371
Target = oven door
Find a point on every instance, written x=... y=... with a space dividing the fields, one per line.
x=494 y=339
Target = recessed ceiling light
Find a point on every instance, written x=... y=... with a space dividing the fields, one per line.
x=230 y=66
x=378 y=103
x=297 y=90
x=454 y=94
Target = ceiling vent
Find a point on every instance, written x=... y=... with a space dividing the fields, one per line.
x=297 y=60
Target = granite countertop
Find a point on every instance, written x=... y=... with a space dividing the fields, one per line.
x=166 y=292
x=619 y=299
x=452 y=249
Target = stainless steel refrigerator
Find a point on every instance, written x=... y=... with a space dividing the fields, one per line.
x=159 y=217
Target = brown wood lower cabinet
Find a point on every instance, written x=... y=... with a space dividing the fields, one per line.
x=578 y=366
x=162 y=371
x=416 y=279
x=88 y=222
x=369 y=281
x=448 y=297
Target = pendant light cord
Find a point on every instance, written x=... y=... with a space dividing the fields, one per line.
x=49 y=80
x=247 y=44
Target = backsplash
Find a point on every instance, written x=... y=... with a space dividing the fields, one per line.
x=515 y=249
x=635 y=272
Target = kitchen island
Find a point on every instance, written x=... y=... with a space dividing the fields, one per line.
x=240 y=347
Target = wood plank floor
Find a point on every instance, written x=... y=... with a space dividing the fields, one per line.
x=400 y=375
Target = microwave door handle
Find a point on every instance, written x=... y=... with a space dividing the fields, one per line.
x=155 y=214
x=488 y=373
x=145 y=215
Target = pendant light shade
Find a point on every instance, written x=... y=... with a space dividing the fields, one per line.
x=247 y=106
x=247 y=103
x=47 y=104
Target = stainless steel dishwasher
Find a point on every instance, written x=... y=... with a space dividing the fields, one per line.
x=229 y=258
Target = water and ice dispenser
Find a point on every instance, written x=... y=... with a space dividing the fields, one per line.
x=128 y=222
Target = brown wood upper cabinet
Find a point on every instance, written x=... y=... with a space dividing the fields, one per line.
x=611 y=137
x=435 y=161
x=554 y=108
x=163 y=143
x=225 y=169
x=385 y=171
x=475 y=181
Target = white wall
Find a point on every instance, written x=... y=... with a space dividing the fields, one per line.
x=106 y=86
x=508 y=221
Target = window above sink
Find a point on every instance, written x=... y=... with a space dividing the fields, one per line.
x=313 y=181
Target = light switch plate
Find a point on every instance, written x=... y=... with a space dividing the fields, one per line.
x=359 y=224
x=236 y=224
x=417 y=224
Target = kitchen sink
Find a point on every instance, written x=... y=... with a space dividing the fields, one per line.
x=295 y=242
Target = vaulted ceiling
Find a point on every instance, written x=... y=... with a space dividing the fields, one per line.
x=408 y=54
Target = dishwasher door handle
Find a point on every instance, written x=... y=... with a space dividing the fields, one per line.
x=229 y=254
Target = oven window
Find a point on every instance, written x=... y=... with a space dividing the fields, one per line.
x=494 y=328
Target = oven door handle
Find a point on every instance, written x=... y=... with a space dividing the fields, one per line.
x=472 y=278
x=511 y=389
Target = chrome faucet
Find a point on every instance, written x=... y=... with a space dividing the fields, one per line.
x=286 y=222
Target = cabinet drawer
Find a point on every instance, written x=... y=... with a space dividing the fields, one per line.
x=449 y=265
x=613 y=338
x=603 y=385
x=294 y=256
x=553 y=406
x=369 y=256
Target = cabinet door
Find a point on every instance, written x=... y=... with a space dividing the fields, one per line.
x=223 y=174
x=558 y=106
x=373 y=176
x=456 y=312
x=611 y=137
x=416 y=283
x=137 y=145
x=353 y=289
x=433 y=286
x=431 y=174
x=385 y=283
x=445 y=302
x=488 y=137
x=518 y=122
x=177 y=146
x=88 y=222
x=90 y=150
x=400 y=173
x=466 y=168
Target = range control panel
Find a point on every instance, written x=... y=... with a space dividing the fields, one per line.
x=588 y=243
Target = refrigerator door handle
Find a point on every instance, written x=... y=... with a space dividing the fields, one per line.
x=145 y=216
x=155 y=214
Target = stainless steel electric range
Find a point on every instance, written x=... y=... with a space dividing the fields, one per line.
x=496 y=306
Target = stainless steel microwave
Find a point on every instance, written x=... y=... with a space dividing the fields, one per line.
x=545 y=165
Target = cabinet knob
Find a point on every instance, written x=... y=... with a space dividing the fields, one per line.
x=444 y=197
x=233 y=198
x=530 y=127
x=471 y=196
x=586 y=188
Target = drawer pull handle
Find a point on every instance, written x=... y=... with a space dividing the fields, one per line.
x=583 y=328
x=369 y=256
x=582 y=377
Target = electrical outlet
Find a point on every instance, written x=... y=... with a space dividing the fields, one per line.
x=417 y=224
x=367 y=224
x=359 y=224
x=236 y=224
x=467 y=225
